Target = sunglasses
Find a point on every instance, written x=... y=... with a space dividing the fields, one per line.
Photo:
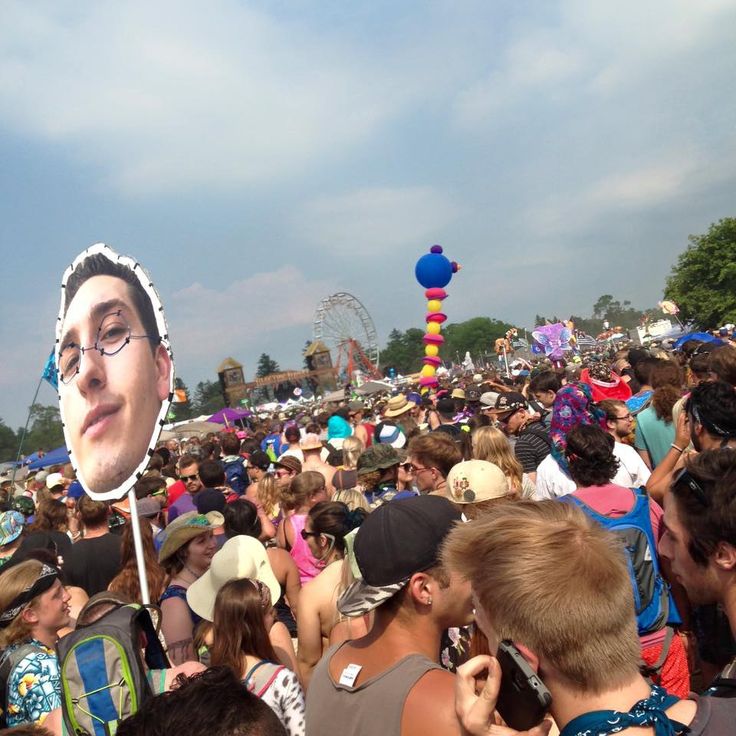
x=684 y=478
x=161 y=492
x=186 y=478
x=305 y=534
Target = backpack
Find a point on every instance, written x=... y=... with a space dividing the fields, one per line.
x=103 y=677
x=653 y=603
x=8 y=662
x=235 y=475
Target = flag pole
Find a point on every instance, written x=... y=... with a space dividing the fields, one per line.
x=23 y=433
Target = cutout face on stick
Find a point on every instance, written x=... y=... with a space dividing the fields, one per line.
x=115 y=367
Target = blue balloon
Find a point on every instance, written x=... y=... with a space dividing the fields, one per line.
x=433 y=270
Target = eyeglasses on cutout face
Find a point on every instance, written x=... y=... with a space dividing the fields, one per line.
x=113 y=334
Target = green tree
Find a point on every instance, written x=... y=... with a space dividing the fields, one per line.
x=8 y=443
x=266 y=366
x=703 y=281
x=45 y=429
x=475 y=336
x=207 y=398
x=403 y=351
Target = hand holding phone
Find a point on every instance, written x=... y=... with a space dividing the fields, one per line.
x=476 y=706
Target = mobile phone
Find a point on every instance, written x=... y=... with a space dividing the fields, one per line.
x=523 y=699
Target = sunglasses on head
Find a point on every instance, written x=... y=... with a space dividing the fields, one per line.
x=684 y=478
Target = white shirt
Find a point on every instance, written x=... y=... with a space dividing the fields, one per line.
x=552 y=482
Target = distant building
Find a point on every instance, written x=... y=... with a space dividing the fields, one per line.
x=232 y=382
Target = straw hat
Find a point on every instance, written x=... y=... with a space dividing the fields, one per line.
x=311 y=441
x=240 y=557
x=398 y=405
x=185 y=528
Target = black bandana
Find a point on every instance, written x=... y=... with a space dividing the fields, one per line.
x=46 y=578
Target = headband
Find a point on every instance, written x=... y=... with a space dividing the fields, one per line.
x=46 y=578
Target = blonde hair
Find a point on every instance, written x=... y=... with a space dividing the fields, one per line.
x=12 y=583
x=301 y=489
x=552 y=579
x=351 y=449
x=267 y=492
x=352 y=498
x=492 y=445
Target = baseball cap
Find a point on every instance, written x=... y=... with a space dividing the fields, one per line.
x=488 y=399
x=53 y=480
x=209 y=499
x=508 y=402
x=474 y=481
x=395 y=541
x=389 y=434
x=259 y=459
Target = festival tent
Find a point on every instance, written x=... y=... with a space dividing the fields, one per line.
x=702 y=336
x=188 y=428
x=374 y=387
x=334 y=396
x=229 y=415
x=59 y=456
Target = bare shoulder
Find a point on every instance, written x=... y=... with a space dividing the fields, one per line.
x=430 y=706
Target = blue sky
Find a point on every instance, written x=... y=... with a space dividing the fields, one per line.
x=259 y=156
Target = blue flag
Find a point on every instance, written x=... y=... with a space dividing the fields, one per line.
x=50 y=373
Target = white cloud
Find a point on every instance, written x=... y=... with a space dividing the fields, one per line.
x=173 y=94
x=375 y=220
x=207 y=323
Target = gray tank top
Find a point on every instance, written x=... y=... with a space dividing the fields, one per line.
x=372 y=708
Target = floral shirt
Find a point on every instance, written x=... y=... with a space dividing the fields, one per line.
x=34 y=686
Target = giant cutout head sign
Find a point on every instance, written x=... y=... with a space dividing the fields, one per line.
x=115 y=367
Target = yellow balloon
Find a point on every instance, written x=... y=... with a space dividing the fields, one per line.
x=432 y=350
x=434 y=305
x=428 y=370
x=433 y=328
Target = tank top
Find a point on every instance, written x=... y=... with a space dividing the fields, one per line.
x=336 y=710
x=305 y=560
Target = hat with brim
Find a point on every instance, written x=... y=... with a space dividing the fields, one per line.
x=11 y=526
x=185 y=528
x=290 y=463
x=311 y=441
x=240 y=557
x=398 y=405
x=377 y=457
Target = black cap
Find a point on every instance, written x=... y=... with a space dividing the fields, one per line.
x=209 y=499
x=397 y=540
x=259 y=459
x=510 y=401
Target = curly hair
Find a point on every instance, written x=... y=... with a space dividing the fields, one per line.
x=590 y=456
x=713 y=404
x=127 y=582
x=666 y=380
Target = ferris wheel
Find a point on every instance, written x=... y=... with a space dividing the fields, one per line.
x=343 y=324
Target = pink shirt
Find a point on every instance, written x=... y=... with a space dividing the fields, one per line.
x=300 y=553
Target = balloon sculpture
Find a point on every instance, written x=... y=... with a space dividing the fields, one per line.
x=552 y=340
x=433 y=271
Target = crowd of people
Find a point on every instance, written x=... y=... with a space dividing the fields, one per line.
x=549 y=550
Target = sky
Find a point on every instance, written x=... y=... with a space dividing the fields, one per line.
x=259 y=156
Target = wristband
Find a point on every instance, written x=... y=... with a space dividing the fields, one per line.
x=679 y=449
